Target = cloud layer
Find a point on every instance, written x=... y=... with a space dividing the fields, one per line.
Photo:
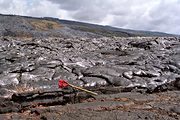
x=156 y=15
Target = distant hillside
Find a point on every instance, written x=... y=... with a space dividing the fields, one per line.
x=24 y=26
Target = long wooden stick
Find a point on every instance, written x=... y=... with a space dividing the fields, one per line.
x=83 y=89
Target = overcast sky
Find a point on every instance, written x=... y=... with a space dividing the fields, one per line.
x=155 y=15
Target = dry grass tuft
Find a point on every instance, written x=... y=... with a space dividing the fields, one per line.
x=45 y=24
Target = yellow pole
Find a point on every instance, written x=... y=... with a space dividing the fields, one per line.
x=79 y=88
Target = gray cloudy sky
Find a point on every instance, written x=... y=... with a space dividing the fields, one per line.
x=156 y=15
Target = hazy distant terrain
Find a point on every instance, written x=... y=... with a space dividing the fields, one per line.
x=19 y=26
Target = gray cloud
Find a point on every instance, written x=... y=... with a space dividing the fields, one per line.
x=84 y=10
x=70 y=5
x=5 y=4
x=156 y=15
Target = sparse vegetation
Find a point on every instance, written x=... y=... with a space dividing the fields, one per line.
x=45 y=24
x=101 y=31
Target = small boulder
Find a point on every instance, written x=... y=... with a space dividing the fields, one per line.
x=128 y=75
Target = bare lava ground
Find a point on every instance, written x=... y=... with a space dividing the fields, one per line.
x=109 y=65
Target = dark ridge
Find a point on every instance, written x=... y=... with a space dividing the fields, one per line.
x=26 y=26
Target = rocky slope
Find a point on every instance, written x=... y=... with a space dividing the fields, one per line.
x=23 y=26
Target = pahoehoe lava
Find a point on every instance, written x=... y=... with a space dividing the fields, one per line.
x=136 y=77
